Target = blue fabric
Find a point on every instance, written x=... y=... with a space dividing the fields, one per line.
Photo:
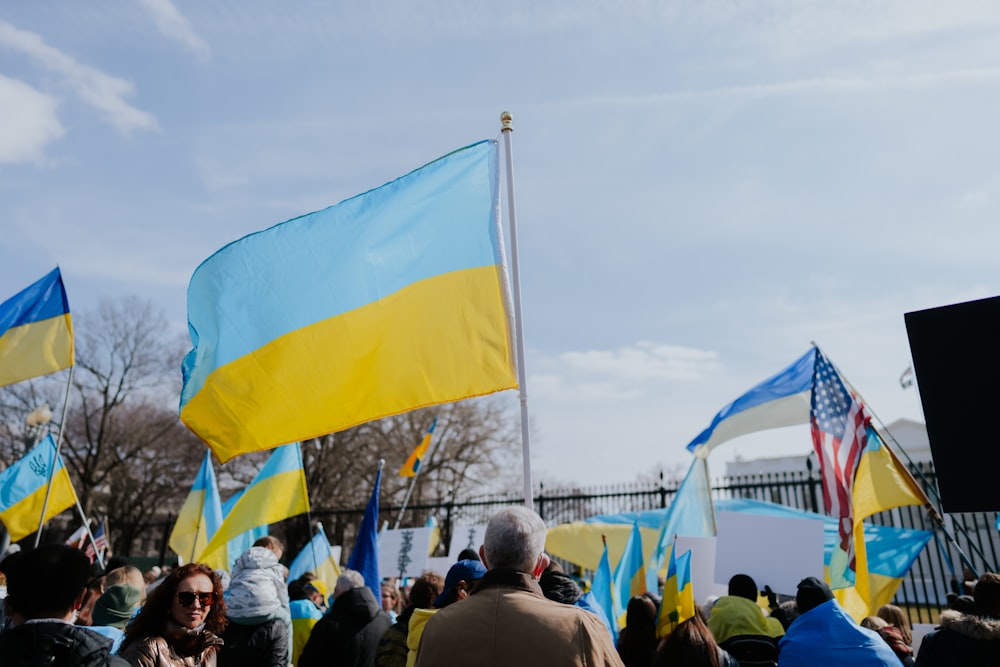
x=826 y=636
x=39 y=301
x=364 y=555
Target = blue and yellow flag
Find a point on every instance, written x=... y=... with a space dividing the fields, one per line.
x=316 y=557
x=685 y=590
x=391 y=300
x=603 y=589
x=630 y=573
x=22 y=490
x=239 y=544
x=200 y=516
x=668 y=617
x=412 y=465
x=276 y=493
x=36 y=333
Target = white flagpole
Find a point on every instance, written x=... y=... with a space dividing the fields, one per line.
x=506 y=128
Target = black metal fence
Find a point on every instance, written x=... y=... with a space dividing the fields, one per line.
x=963 y=544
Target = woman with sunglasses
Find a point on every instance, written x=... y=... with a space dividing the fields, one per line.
x=180 y=622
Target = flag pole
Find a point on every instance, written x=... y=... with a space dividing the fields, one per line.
x=506 y=129
x=928 y=505
x=55 y=460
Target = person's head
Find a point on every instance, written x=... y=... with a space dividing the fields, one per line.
x=116 y=605
x=190 y=596
x=515 y=539
x=347 y=580
x=390 y=597
x=128 y=575
x=558 y=586
x=789 y=612
x=468 y=553
x=48 y=582
x=986 y=595
x=427 y=587
x=896 y=617
x=812 y=593
x=272 y=544
x=873 y=623
x=641 y=613
x=459 y=582
x=691 y=643
x=742 y=585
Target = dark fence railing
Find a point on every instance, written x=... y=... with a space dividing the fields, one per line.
x=967 y=544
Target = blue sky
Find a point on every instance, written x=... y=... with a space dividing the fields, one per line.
x=702 y=188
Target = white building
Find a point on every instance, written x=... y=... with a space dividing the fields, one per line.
x=903 y=434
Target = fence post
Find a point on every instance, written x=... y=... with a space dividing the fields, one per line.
x=663 y=492
x=541 y=500
x=812 y=482
x=166 y=538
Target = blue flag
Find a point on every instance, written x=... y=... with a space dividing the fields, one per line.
x=603 y=590
x=364 y=556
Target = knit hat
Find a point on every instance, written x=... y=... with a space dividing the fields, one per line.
x=812 y=593
x=116 y=605
x=743 y=585
x=463 y=570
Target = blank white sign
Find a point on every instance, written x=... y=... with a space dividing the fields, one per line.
x=776 y=551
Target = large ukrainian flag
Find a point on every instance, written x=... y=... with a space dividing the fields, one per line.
x=36 y=334
x=22 y=490
x=389 y=301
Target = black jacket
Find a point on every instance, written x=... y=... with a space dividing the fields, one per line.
x=56 y=644
x=962 y=639
x=261 y=645
x=348 y=634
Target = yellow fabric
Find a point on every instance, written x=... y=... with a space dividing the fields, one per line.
x=580 y=542
x=880 y=483
x=292 y=374
x=270 y=500
x=21 y=519
x=418 y=620
x=36 y=348
x=419 y=453
x=733 y=615
x=184 y=541
x=301 y=629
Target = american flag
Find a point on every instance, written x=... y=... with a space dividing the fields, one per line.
x=839 y=424
x=100 y=539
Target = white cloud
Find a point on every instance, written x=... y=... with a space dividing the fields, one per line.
x=175 y=26
x=102 y=91
x=28 y=122
x=619 y=375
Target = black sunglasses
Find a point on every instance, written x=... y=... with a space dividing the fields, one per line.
x=187 y=599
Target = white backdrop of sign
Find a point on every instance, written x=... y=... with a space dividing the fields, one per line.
x=463 y=537
x=776 y=551
x=702 y=567
x=403 y=553
x=440 y=565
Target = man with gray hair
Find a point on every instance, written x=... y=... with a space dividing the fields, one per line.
x=350 y=631
x=507 y=620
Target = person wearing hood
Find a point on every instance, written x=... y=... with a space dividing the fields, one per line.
x=739 y=625
x=967 y=638
x=349 y=634
x=260 y=622
x=825 y=636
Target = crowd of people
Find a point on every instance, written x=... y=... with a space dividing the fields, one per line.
x=507 y=604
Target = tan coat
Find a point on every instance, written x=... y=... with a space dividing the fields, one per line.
x=507 y=622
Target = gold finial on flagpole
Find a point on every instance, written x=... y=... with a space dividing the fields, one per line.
x=506 y=122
